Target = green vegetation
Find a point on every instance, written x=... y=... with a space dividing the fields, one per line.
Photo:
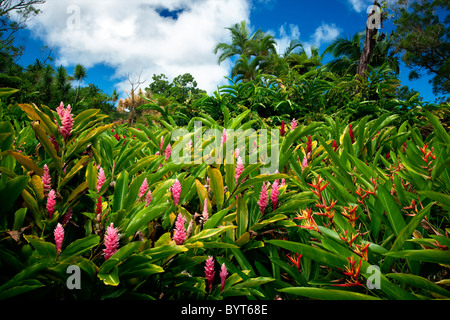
x=359 y=207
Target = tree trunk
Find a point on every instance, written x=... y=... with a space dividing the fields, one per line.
x=373 y=20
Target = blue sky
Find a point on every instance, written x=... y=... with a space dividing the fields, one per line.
x=118 y=37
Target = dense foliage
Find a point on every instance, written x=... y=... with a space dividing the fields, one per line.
x=95 y=207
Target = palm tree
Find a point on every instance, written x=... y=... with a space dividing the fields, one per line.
x=79 y=74
x=347 y=54
x=240 y=43
x=246 y=68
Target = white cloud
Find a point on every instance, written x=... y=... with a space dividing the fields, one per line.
x=323 y=34
x=360 y=5
x=132 y=36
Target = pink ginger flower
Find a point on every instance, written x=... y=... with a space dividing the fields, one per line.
x=46 y=180
x=176 y=191
x=283 y=183
x=161 y=143
x=236 y=153
x=111 y=241
x=239 y=168
x=224 y=136
x=209 y=272
x=101 y=178
x=66 y=120
x=304 y=163
x=274 y=194
x=168 y=151
x=143 y=189
x=148 y=198
x=205 y=214
x=223 y=276
x=60 y=110
x=352 y=135
x=51 y=201
x=293 y=124
x=263 y=199
x=59 y=237
x=180 y=232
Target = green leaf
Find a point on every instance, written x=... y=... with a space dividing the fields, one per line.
x=437 y=196
x=79 y=247
x=144 y=216
x=392 y=210
x=433 y=256
x=327 y=294
x=121 y=190
x=419 y=282
x=9 y=194
x=313 y=253
x=208 y=233
x=43 y=249
x=216 y=183
x=242 y=216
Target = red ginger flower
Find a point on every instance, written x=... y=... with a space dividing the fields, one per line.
x=335 y=145
x=67 y=216
x=223 y=276
x=263 y=199
x=176 y=191
x=101 y=178
x=209 y=272
x=180 y=232
x=46 y=180
x=274 y=194
x=239 y=168
x=58 y=233
x=51 y=201
x=111 y=241
x=352 y=135
x=309 y=145
x=99 y=208
x=282 y=129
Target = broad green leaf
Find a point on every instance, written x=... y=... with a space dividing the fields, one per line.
x=242 y=216
x=79 y=247
x=216 y=184
x=121 y=190
x=392 y=210
x=433 y=256
x=419 y=282
x=327 y=294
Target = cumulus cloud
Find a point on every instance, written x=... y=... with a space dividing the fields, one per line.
x=323 y=34
x=133 y=36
